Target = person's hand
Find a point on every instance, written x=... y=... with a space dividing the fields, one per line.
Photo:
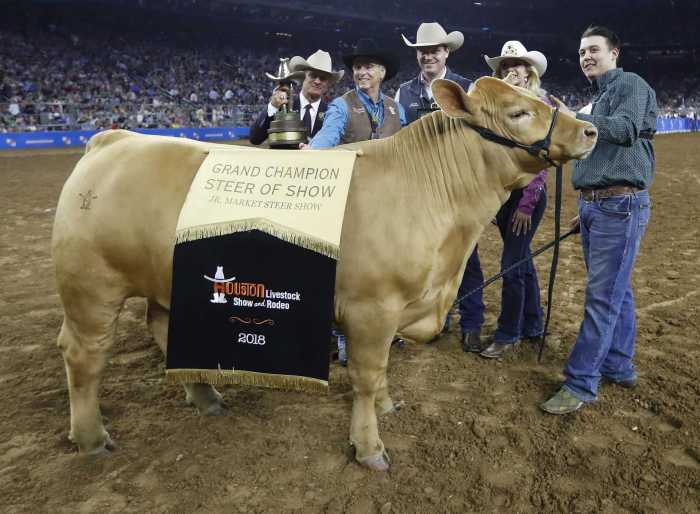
x=511 y=79
x=304 y=146
x=575 y=225
x=562 y=106
x=521 y=223
x=279 y=97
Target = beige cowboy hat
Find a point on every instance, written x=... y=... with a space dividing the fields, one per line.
x=432 y=34
x=516 y=50
x=317 y=61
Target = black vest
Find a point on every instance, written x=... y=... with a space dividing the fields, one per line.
x=413 y=98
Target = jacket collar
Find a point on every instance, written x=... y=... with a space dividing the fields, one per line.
x=606 y=78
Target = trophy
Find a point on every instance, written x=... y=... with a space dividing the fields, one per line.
x=286 y=129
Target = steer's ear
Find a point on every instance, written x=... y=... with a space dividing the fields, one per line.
x=454 y=101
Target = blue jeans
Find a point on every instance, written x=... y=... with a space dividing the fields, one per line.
x=611 y=230
x=521 y=311
x=471 y=308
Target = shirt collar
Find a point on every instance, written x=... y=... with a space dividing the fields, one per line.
x=366 y=97
x=606 y=78
x=303 y=102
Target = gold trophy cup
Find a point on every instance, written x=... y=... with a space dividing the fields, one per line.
x=286 y=130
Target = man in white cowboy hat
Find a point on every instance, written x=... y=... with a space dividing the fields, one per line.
x=433 y=46
x=364 y=112
x=318 y=75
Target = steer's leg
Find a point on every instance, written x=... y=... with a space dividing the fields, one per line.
x=383 y=401
x=204 y=397
x=91 y=312
x=369 y=340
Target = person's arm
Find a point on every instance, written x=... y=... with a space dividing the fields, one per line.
x=334 y=123
x=258 y=130
x=531 y=193
x=623 y=125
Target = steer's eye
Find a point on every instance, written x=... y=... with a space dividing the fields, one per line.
x=518 y=114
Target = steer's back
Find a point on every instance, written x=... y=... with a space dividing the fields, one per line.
x=116 y=216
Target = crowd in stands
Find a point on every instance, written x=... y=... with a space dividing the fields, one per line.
x=57 y=80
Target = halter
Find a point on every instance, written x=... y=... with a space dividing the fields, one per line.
x=539 y=149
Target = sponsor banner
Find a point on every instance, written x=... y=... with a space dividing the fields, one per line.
x=298 y=196
x=254 y=268
x=65 y=139
x=671 y=125
x=252 y=309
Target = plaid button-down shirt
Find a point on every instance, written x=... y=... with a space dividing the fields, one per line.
x=624 y=106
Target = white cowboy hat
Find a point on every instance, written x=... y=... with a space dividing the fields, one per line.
x=317 y=61
x=219 y=276
x=516 y=50
x=432 y=34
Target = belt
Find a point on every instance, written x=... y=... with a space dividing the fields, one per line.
x=606 y=192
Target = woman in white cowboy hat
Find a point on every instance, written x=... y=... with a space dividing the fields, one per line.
x=318 y=76
x=521 y=312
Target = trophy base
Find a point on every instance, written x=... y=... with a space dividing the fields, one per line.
x=286 y=131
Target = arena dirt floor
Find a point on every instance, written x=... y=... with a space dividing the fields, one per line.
x=470 y=439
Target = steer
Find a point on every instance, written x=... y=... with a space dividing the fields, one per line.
x=418 y=203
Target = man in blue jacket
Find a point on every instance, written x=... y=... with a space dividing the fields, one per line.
x=433 y=46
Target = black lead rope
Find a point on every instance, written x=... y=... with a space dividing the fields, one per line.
x=555 y=258
x=510 y=268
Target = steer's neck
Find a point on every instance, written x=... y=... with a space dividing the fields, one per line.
x=464 y=175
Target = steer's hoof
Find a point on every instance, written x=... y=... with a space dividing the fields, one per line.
x=213 y=409
x=107 y=446
x=379 y=462
x=390 y=406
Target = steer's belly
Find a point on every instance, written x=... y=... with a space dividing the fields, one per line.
x=422 y=320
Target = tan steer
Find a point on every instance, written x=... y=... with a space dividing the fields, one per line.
x=418 y=203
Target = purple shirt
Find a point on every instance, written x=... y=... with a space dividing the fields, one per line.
x=531 y=193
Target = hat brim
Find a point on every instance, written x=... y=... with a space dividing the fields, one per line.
x=300 y=65
x=390 y=61
x=533 y=57
x=452 y=41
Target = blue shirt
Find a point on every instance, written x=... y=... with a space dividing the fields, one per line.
x=337 y=116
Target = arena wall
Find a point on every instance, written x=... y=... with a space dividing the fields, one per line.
x=63 y=139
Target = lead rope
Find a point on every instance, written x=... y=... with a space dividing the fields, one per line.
x=555 y=258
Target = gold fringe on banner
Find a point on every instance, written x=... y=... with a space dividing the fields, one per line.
x=249 y=378
x=279 y=231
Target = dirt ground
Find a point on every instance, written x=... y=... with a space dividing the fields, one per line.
x=470 y=439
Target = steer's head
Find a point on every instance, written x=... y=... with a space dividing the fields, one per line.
x=516 y=114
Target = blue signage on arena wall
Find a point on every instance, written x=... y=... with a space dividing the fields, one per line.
x=59 y=139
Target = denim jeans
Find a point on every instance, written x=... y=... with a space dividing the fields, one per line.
x=521 y=310
x=611 y=230
x=471 y=308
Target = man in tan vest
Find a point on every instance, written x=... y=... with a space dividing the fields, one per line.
x=364 y=112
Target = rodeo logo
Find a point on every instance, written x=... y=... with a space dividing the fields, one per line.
x=226 y=286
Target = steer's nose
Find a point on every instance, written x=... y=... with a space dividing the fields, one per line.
x=590 y=132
